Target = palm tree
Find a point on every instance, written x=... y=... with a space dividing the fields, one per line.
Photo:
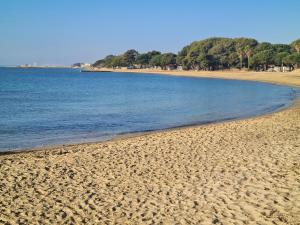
x=249 y=53
x=241 y=53
x=296 y=45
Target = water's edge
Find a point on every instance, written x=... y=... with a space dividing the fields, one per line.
x=294 y=97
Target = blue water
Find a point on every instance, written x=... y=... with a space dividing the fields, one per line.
x=41 y=107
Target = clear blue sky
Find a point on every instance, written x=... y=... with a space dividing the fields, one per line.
x=67 y=31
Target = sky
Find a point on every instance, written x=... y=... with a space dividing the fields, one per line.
x=63 y=32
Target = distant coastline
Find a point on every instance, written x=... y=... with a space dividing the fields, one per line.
x=41 y=67
x=32 y=67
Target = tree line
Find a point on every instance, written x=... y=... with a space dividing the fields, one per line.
x=212 y=54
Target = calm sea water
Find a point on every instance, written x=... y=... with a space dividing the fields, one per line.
x=41 y=107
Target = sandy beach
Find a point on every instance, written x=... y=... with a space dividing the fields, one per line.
x=287 y=78
x=238 y=172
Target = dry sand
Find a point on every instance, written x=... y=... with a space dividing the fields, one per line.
x=238 y=172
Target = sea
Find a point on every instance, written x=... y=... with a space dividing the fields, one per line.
x=41 y=107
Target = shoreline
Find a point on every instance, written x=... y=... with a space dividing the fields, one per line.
x=138 y=133
x=238 y=171
x=291 y=79
x=123 y=136
x=190 y=74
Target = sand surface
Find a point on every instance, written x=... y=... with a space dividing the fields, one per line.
x=238 y=172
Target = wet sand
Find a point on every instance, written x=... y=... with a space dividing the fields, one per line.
x=238 y=172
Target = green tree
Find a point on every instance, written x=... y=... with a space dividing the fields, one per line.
x=292 y=60
x=263 y=58
x=153 y=53
x=213 y=53
x=181 y=57
x=248 y=52
x=156 y=60
x=244 y=47
x=99 y=63
x=206 y=62
x=129 y=57
x=296 y=45
x=117 y=61
x=279 y=58
x=167 y=59
x=220 y=51
x=233 y=60
x=281 y=48
x=106 y=62
x=262 y=47
x=144 y=59
x=241 y=54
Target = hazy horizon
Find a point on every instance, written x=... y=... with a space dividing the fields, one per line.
x=65 y=32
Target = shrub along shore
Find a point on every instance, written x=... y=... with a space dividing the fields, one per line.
x=213 y=54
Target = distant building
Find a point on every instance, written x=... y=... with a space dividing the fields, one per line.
x=179 y=68
x=279 y=68
x=130 y=67
x=138 y=66
x=156 y=68
x=25 y=65
x=81 y=65
x=171 y=67
x=286 y=69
